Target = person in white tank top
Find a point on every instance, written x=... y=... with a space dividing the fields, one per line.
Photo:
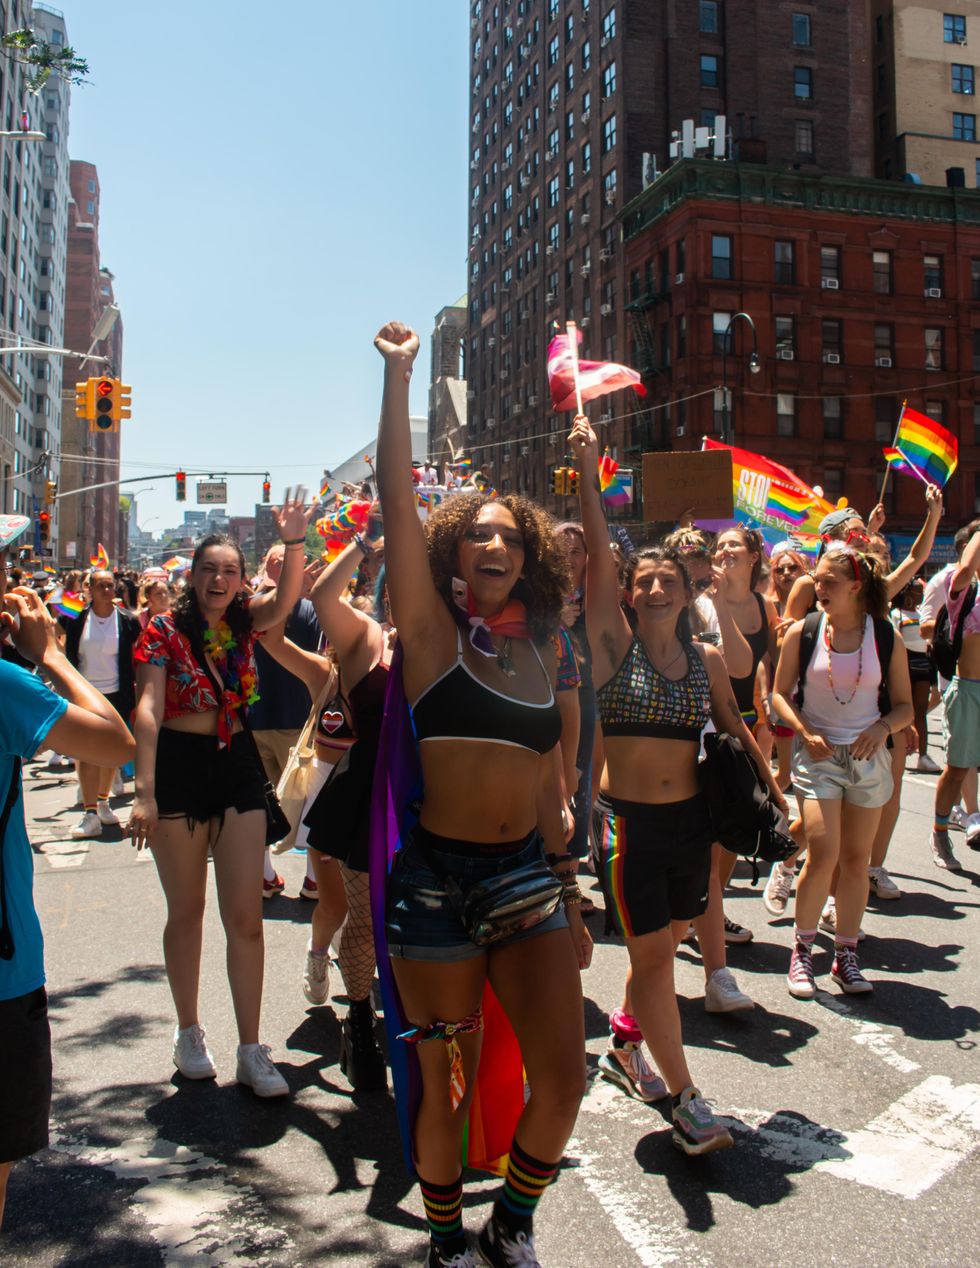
x=841 y=765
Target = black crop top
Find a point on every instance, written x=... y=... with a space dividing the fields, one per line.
x=744 y=688
x=638 y=700
x=457 y=706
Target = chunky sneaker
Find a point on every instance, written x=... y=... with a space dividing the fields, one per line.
x=737 y=933
x=958 y=817
x=696 y=1130
x=847 y=975
x=191 y=1056
x=828 y=920
x=881 y=884
x=501 y=1251
x=779 y=886
x=721 y=994
x=316 y=975
x=273 y=887
x=464 y=1259
x=926 y=766
x=361 y=1058
x=256 y=1070
x=629 y=1069
x=942 y=852
x=107 y=816
x=309 y=889
x=972 y=827
x=89 y=826
x=800 y=980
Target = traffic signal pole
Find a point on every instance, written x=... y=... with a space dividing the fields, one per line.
x=159 y=475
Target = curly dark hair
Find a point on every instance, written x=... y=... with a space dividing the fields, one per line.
x=187 y=615
x=546 y=574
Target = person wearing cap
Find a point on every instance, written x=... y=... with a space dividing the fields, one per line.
x=75 y=719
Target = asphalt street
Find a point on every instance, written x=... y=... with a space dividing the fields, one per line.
x=857 y=1120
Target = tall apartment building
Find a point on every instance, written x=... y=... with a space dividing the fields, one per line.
x=566 y=98
x=33 y=226
x=925 y=83
x=89 y=458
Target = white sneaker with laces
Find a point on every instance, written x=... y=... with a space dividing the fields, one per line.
x=779 y=886
x=721 y=994
x=255 y=1068
x=316 y=975
x=828 y=919
x=118 y=785
x=926 y=766
x=516 y=1252
x=958 y=817
x=107 y=815
x=881 y=884
x=191 y=1056
x=88 y=827
x=942 y=853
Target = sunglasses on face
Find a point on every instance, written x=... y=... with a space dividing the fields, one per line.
x=789 y=570
x=703 y=584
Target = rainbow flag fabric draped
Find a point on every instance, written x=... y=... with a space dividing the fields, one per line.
x=927 y=446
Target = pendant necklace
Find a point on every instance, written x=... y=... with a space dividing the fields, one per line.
x=504 y=659
x=830 y=671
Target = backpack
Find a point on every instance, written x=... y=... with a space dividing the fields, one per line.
x=946 y=643
x=743 y=817
x=884 y=633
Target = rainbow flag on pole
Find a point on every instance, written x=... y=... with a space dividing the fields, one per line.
x=771 y=496
x=612 y=488
x=896 y=460
x=927 y=446
x=100 y=559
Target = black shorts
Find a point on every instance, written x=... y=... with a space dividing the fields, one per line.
x=198 y=781
x=25 y=1075
x=653 y=861
x=921 y=668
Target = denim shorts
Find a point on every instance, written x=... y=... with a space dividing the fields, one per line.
x=866 y=782
x=421 y=920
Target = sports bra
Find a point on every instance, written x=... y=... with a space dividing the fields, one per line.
x=744 y=688
x=458 y=706
x=638 y=700
x=333 y=730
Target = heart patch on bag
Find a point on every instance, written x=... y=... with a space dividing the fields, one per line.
x=332 y=722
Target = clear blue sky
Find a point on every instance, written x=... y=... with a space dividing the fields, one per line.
x=275 y=183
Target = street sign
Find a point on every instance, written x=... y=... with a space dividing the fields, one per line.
x=71 y=550
x=212 y=491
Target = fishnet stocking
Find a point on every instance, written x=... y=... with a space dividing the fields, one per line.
x=356 y=950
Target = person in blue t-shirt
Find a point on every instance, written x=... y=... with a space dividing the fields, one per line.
x=76 y=721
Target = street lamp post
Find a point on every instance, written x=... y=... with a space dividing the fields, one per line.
x=755 y=365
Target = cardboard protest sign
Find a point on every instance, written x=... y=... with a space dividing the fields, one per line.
x=677 y=482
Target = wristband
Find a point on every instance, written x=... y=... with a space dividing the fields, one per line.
x=295 y=541
x=882 y=722
x=364 y=548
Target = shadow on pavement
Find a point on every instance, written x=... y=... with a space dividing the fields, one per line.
x=922 y=1013
x=761 y=1036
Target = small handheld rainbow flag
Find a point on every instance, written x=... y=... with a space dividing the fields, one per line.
x=68 y=604
x=927 y=446
x=100 y=559
x=786 y=504
x=896 y=460
x=463 y=462
x=610 y=485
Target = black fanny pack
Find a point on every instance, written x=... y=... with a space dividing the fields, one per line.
x=502 y=905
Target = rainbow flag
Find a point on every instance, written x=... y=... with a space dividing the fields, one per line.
x=51 y=570
x=772 y=496
x=100 y=559
x=896 y=459
x=612 y=488
x=463 y=462
x=68 y=604
x=324 y=489
x=927 y=446
x=787 y=504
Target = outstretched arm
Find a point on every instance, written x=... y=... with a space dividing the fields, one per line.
x=291 y=519
x=921 y=547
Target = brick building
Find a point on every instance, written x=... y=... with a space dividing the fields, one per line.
x=863 y=293
x=447 y=384
x=566 y=99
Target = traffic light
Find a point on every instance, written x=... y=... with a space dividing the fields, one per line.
x=44 y=524
x=122 y=401
x=558 y=483
x=181 y=486
x=266 y=490
x=50 y=492
x=105 y=394
x=85 y=399
x=573 y=483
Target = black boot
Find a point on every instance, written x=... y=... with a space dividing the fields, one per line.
x=361 y=1059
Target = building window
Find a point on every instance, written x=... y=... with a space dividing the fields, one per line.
x=708 y=17
x=932 y=275
x=976 y=423
x=721 y=256
x=609 y=185
x=586 y=56
x=976 y=349
x=570 y=77
x=719 y=327
x=609 y=134
x=936 y=410
x=934 y=348
x=553 y=50
x=954 y=28
x=830 y=267
x=609 y=24
x=586 y=158
x=801 y=30
x=785 y=327
x=884 y=343
x=804 y=137
x=886 y=417
x=975 y=279
x=962 y=79
x=785 y=271
x=681 y=338
x=832 y=340
x=964 y=126
x=881 y=272
x=553 y=192
x=802 y=83
x=609 y=80
x=785 y=414
x=833 y=417
x=709 y=70
x=553 y=236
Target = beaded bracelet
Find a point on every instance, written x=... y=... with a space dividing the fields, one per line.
x=295 y=541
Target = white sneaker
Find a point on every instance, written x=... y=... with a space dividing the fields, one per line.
x=118 y=785
x=958 y=817
x=316 y=975
x=881 y=884
x=191 y=1056
x=972 y=826
x=828 y=920
x=256 y=1070
x=779 y=886
x=107 y=815
x=721 y=994
x=90 y=825
x=942 y=852
x=926 y=766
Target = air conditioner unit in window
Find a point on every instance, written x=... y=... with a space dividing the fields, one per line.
x=524 y=451
x=681 y=429
x=549 y=249
x=584 y=322
x=584 y=218
x=492 y=342
x=610 y=197
x=830 y=283
x=551 y=298
x=585 y=270
x=884 y=362
x=832 y=358
x=679 y=279
x=934 y=292
x=604 y=41
x=606 y=253
x=553 y=152
x=785 y=354
x=505 y=374
x=491 y=423
x=471 y=395
x=605 y=418
x=605 y=309
x=585 y=116
x=532 y=399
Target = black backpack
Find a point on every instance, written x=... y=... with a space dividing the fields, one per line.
x=946 y=643
x=743 y=817
x=884 y=643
